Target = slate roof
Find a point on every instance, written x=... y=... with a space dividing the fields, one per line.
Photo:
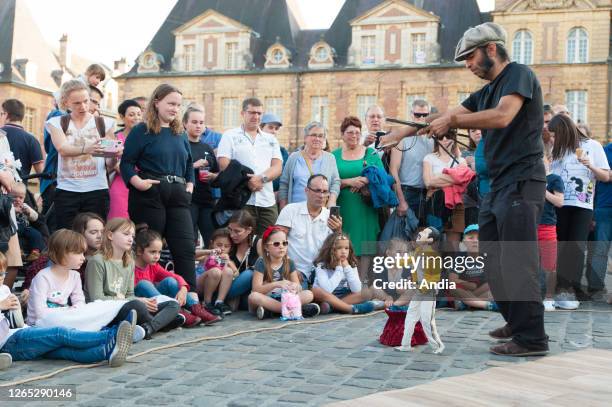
x=273 y=18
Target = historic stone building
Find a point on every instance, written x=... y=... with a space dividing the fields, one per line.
x=376 y=51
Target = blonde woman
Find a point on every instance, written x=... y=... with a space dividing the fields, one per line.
x=81 y=170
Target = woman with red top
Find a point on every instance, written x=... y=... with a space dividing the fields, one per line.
x=151 y=280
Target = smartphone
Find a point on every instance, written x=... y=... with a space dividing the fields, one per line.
x=110 y=147
x=334 y=211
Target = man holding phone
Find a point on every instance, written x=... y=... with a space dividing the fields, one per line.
x=308 y=224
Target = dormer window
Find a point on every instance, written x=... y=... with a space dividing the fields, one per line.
x=321 y=55
x=277 y=56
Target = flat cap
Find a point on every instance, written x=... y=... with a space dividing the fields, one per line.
x=477 y=36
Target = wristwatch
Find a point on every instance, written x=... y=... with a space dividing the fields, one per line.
x=264 y=178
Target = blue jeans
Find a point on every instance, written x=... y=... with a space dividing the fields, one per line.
x=59 y=343
x=599 y=249
x=241 y=285
x=168 y=286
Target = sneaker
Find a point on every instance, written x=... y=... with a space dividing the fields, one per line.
x=566 y=301
x=211 y=308
x=178 y=321
x=204 y=314
x=6 y=360
x=549 y=304
x=378 y=305
x=460 y=306
x=325 y=308
x=190 y=319
x=139 y=334
x=311 y=310
x=513 y=349
x=263 y=313
x=363 y=308
x=121 y=344
x=223 y=308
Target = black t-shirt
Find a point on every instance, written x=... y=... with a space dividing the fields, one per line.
x=249 y=261
x=554 y=183
x=202 y=194
x=24 y=147
x=513 y=153
x=471 y=272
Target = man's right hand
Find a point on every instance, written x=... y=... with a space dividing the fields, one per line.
x=370 y=139
x=402 y=208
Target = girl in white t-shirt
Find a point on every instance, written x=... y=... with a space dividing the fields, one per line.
x=580 y=162
x=434 y=179
x=81 y=170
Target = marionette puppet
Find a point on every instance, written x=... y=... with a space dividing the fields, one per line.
x=423 y=304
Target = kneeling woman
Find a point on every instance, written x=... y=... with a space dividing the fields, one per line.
x=273 y=273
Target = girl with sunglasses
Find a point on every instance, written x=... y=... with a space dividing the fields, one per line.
x=274 y=271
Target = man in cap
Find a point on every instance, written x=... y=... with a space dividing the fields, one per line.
x=509 y=108
x=271 y=123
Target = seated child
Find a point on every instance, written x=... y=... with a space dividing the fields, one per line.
x=274 y=271
x=31 y=239
x=392 y=296
x=110 y=276
x=152 y=280
x=337 y=285
x=90 y=226
x=472 y=287
x=218 y=272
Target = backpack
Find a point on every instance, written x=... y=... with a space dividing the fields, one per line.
x=100 y=125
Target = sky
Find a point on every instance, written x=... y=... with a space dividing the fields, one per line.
x=123 y=28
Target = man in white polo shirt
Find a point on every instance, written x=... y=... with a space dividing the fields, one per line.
x=260 y=152
x=308 y=223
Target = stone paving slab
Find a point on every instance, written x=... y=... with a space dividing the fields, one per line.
x=303 y=365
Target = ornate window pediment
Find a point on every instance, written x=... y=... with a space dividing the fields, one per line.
x=149 y=61
x=211 y=41
x=321 y=55
x=537 y=5
x=395 y=33
x=277 y=56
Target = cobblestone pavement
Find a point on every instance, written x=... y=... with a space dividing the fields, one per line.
x=301 y=364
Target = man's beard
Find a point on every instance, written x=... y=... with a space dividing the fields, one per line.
x=486 y=65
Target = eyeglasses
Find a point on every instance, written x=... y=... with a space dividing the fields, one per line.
x=319 y=191
x=277 y=244
x=317 y=135
x=420 y=114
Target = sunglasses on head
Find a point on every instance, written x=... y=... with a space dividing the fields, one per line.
x=420 y=114
x=277 y=244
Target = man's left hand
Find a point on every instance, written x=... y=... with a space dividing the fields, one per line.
x=255 y=182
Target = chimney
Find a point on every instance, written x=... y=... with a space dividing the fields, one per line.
x=64 y=53
x=121 y=66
